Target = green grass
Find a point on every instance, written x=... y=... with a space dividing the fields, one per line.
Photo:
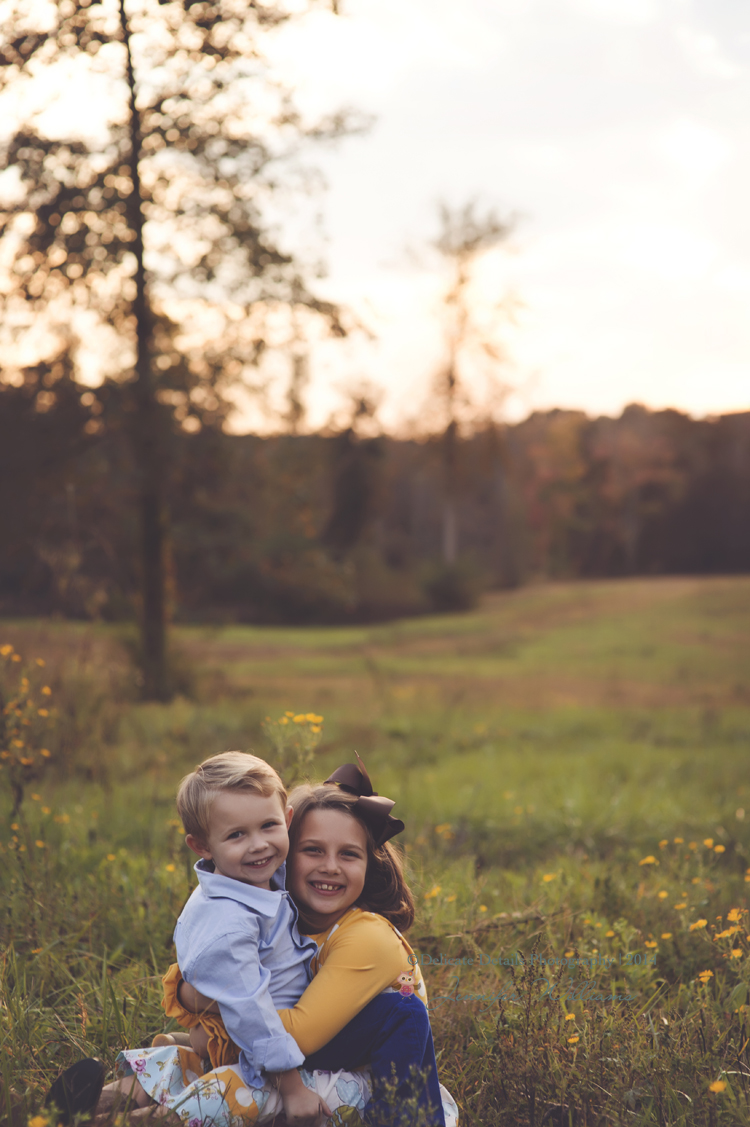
x=540 y=748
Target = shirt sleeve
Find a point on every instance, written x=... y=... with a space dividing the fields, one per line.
x=240 y=985
x=362 y=961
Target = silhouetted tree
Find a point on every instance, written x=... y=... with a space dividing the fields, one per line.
x=158 y=225
x=463 y=238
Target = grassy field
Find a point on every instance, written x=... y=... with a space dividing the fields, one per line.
x=572 y=765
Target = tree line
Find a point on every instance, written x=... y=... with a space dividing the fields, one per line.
x=337 y=527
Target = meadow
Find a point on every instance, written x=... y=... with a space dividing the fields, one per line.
x=571 y=762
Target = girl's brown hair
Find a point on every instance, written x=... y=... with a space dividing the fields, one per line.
x=385 y=892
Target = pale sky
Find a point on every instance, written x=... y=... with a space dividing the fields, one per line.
x=618 y=130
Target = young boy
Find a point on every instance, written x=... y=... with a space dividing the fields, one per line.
x=237 y=939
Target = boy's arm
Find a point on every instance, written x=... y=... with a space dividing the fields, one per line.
x=230 y=972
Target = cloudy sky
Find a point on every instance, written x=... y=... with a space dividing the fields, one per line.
x=619 y=133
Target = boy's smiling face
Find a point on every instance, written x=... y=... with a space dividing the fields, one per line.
x=247 y=838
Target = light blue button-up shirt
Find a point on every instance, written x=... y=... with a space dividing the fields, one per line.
x=240 y=945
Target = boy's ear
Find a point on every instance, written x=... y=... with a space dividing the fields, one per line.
x=198 y=846
x=289 y=816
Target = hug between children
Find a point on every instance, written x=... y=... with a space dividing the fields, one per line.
x=302 y=1002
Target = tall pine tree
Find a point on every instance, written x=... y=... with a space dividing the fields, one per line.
x=147 y=217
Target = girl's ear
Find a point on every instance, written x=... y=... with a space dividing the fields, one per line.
x=289 y=816
x=198 y=847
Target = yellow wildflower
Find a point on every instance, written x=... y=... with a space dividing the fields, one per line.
x=717 y=1086
x=170 y=868
x=434 y=891
x=719 y=849
x=698 y=925
x=570 y=1017
x=651 y=943
x=573 y=1040
x=708 y=842
x=679 y=907
x=663 y=843
x=734 y=915
x=548 y=877
x=679 y=841
x=662 y=895
x=650 y=860
x=666 y=935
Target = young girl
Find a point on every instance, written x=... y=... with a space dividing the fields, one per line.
x=367 y=1001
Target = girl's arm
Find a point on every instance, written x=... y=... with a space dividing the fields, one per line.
x=195 y=1002
x=362 y=961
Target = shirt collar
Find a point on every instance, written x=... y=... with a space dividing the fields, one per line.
x=261 y=900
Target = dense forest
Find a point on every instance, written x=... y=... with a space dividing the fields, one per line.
x=340 y=527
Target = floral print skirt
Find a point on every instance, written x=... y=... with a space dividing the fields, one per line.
x=173 y=1076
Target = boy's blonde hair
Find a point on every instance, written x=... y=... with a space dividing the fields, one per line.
x=231 y=770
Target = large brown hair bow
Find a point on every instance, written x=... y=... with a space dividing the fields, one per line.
x=374 y=809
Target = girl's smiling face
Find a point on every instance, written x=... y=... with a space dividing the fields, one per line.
x=328 y=866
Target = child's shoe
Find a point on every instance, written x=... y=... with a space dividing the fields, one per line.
x=77 y=1089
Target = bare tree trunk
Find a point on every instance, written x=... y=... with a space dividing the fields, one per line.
x=450 y=515
x=146 y=432
x=450 y=532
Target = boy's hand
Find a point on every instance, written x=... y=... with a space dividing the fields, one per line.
x=302 y=1108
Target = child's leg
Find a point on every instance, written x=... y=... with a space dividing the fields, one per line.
x=199 y=1041
x=162 y=1039
x=128 y=1088
x=393 y=1034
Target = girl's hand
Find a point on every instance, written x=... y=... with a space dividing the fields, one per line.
x=302 y=1107
x=195 y=1002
